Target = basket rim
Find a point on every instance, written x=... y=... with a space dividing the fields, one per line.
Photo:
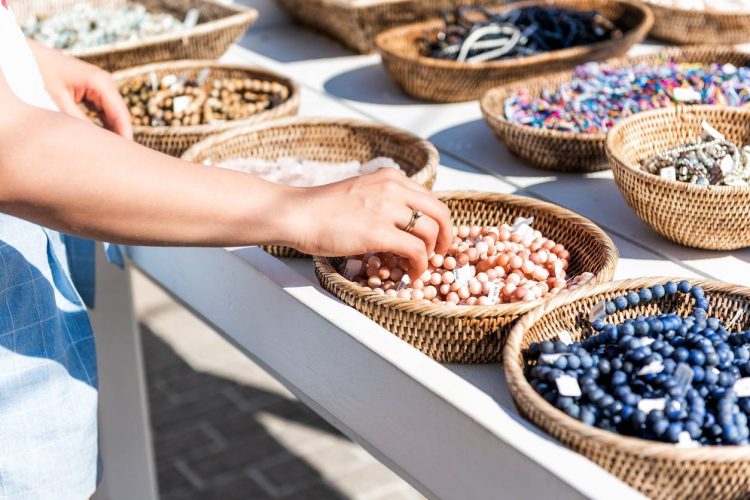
x=291 y=102
x=238 y=14
x=324 y=267
x=617 y=161
x=497 y=116
x=520 y=388
x=716 y=14
x=433 y=157
x=629 y=38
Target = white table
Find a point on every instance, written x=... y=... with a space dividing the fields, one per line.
x=452 y=431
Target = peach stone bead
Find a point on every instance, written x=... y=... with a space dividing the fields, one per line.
x=482 y=277
x=472 y=254
x=449 y=263
x=540 y=274
x=509 y=289
x=391 y=293
x=404 y=294
x=417 y=284
x=475 y=287
x=436 y=260
x=396 y=274
x=417 y=295
x=500 y=272
x=484 y=301
x=449 y=278
x=445 y=289
x=474 y=232
x=374 y=282
x=426 y=276
x=463 y=232
x=528 y=267
x=548 y=245
x=452 y=297
x=384 y=273
x=471 y=301
x=462 y=259
x=464 y=292
x=430 y=292
x=515 y=262
x=373 y=261
x=379 y=291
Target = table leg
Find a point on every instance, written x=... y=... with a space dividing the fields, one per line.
x=124 y=428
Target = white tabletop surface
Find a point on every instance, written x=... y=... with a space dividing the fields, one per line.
x=451 y=430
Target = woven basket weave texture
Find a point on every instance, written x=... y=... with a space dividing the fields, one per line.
x=682 y=26
x=218 y=27
x=475 y=334
x=451 y=81
x=321 y=139
x=708 y=217
x=176 y=140
x=658 y=470
x=573 y=151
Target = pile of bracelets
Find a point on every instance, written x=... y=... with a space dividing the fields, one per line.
x=474 y=34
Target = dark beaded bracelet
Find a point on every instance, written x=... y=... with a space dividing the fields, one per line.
x=663 y=377
x=474 y=34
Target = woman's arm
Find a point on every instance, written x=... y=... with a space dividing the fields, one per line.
x=70 y=175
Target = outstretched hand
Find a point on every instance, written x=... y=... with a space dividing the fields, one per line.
x=70 y=82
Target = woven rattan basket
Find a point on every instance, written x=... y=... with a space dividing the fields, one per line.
x=175 y=140
x=475 y=334
x=709 y=217
x=218 y=26
x=693 y=27
x=573 y=151
x=659 y=470
x=356 y=22
x=451 y=81
x=321 y=139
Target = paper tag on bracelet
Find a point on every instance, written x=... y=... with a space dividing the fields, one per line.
x=494 y=294
x=597 y=312
x=154 y=81
x=353 y=268
x=404 y=283
x=522 y=227
x=559 y=271
x=565 y=337
x=463 y=275
x=742 y=387
x=568 y=386
x=181 y=103
x=648 y=405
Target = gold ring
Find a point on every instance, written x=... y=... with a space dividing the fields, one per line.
x=415 y=215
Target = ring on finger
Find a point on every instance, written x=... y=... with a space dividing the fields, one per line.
x=415 y=216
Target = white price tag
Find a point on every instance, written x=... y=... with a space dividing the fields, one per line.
x=404 y=283
x=181 y=103
x=551 y=358
x=711 y=132
x=169 y=80
x=559 y=271
x=647 y=341
x=742 y=387
x=463 y=275
x=565 y=337
x=647 y=405
x=202 y=76
x=683 y=375
x=597 y=312
x=685 y=441
x=669 y=173
x=568 y=386
x=494 y=294
x=684 y=94
x=651 y=368
x=154 y=81
x=352 y=268
x=191 y=18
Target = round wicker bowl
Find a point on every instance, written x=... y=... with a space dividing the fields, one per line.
x=475 y=334
x=708 y=217
x=321 y=139
x=693 y=27
x=574 y=151
x=450 y=81
x=175 y=140
x=658 y=470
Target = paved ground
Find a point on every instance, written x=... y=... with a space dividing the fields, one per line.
x=224 y=429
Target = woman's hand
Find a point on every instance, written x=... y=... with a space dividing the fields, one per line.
x=70 y=81
x=368 y=214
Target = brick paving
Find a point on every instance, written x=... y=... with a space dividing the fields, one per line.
x=224 y=429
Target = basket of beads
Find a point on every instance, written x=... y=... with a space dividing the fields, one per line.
x=307 y=152
x=686 y=173
x=472 y=50
x=356 y=22
x=117 y=34
x=176 y=104
x=649 y=378
x=509 y=254
x=694 y=22
x=560 y=122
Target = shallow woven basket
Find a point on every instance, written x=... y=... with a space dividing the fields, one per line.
x=475 y=334
x=708 y=217
x=694 y=27
x=175 y=140
x=437 y=80
x=218 y=26
x=573 y=151
x=321 y=139
x=658 y=470
x=356 y=22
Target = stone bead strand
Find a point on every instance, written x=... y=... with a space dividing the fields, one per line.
x=179 y=101
x=665 y=377
x=484 y=266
